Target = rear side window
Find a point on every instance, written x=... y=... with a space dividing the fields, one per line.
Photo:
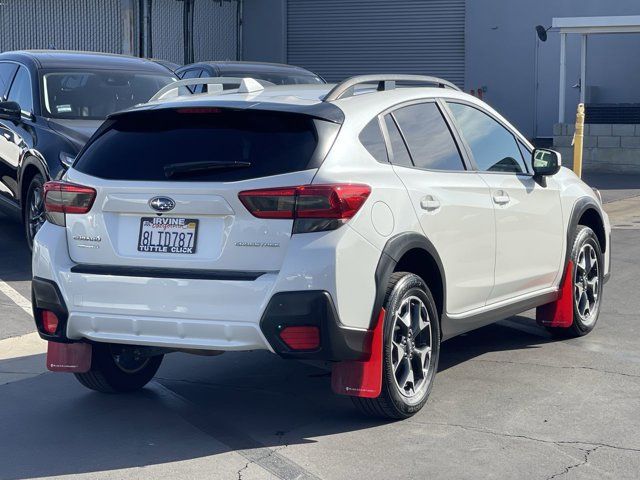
x=493 y=146
x=428 y=137
x=155 y=146
x=398 y=148
x=372 y=139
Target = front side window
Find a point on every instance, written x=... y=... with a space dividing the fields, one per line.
x=372 y=139
x=20 y=91
x=428 y=137
x=493 y=147
x=94 y=94
x=6 y=75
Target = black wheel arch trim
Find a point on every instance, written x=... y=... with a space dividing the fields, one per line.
x=392 y=252
x=579 y=208
x=35 y=160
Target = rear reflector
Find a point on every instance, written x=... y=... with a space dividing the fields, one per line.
x=301 y=338
x=49 y=322
x=63 y=197
x=320 y=202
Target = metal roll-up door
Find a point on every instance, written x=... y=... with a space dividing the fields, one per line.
x=341 y=38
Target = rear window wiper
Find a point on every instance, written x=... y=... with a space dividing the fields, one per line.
x=193 y=167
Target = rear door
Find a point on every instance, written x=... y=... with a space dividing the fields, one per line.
x=529 y=223
x=158 y=205
x=452 y=203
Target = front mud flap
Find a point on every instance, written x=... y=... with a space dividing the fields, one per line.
x=559 y=314
x=362 y=378
x=69 y=357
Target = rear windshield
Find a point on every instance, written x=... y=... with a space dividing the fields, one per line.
x=224 y=145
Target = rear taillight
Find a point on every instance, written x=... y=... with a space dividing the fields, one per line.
x=313 y=207
x=61 y=198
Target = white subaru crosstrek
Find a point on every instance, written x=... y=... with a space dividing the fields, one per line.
x=360 y=224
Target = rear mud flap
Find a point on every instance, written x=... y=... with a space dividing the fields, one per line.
x=362 y=378
x=69 y=357
x=559 y=313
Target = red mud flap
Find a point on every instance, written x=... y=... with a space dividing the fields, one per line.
x=69 y=357
x=362 y=378
x=559 y=313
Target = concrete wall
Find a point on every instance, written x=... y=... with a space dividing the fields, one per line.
x=500 y=41
x=607 y=148
x=264 y=31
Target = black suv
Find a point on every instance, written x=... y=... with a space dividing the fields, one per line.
x=51 y=102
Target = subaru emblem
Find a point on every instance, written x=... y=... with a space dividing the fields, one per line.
x=162 y=204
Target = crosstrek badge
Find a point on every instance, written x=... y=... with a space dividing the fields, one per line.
x=168 y=235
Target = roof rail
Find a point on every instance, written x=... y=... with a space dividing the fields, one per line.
x=385 y=82
x=244 y=85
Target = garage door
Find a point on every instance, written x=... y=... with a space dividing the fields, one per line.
x=340 y=38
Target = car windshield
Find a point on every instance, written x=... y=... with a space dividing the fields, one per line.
x=92 y=95
x=277 y=78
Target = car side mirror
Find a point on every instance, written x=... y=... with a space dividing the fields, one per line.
x=545 y=162
x=10 y=111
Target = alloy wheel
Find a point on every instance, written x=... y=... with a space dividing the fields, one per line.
x=587 y=284
x=411 y=346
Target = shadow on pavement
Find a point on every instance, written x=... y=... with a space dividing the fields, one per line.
x=15 y=256
x=196 y=407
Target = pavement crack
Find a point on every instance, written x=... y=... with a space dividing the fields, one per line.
x=527 y=437
x=565 y=367
x=585 y=460
x=271 y=452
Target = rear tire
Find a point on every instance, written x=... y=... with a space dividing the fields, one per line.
x=117 y=369
x=411 y=349
x=587 y=259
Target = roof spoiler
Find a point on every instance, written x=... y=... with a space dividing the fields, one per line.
x=346 y=88
x=244 y=85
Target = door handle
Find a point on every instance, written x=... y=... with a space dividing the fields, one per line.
x=501 y=197
x=429 y=203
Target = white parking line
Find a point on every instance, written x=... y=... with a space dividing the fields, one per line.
x=16 y=297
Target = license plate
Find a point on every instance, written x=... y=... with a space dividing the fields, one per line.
x=168 y=235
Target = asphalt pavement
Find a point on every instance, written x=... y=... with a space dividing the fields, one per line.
x=509 y=402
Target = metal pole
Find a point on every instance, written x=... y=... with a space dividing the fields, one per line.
x=535 y=87
x=578 y=139
x=239 y=44
x=583 y=68
x=128 y=27
x=563 y=76
x=187 y=31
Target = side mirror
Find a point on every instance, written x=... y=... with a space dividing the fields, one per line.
x=10 y=111
x=545 y=162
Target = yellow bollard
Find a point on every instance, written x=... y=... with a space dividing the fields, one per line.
x=578 y=140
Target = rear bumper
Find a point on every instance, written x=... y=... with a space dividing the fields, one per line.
x=208 y=310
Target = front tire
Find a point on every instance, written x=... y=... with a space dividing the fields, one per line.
x=118 y=369
x=411 y=349
x=587 y=280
